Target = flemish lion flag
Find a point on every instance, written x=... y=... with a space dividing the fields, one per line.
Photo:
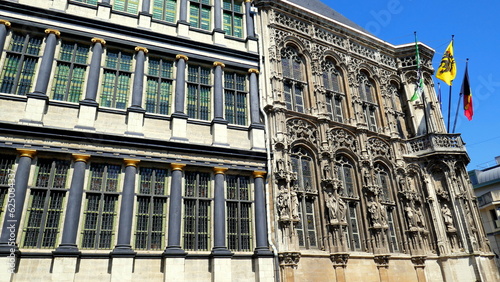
x=419 y=87
x=468 y=109
x=447 y=69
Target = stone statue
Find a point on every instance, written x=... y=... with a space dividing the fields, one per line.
x=410 y=216
x=326 y=169
x=374 y=213
x=448 y=218
x=282 y=202
x=419 y=217
x=332 y=206
x=342 y=209
x=294 y=205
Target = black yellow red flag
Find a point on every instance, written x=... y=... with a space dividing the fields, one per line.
x=467 y=93
x=447 y=69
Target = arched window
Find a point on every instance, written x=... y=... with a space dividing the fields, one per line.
x=294 y=82
x=367 y=95
x=302 y=165
x=332 y=81
x=345 y=173
x=382 y=180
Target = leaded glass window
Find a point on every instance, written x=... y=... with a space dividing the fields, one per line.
x=197 y=211
x=151 y=209
x=332 y=82
x=70 y=72
x=45 y=204
x=99 y=220
x=159 y=86
x=116 y=80
x=104 y=177
x=20 y=63
x=199 y=84
x=382 y=180
x=391 y=233
x=306 y=227
x=233 y=17
x=302 y=165
x=165 y=10
x=6 y=178
x=238 y=202
x=200 y=14
x=345 y=174
x=366 y=93
x=294 y=84
x=128 y=6
x=235 y=91
x=353 y=228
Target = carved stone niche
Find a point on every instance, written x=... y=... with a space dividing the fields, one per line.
x=289 y=259
x=382 y=260
x=339 y=259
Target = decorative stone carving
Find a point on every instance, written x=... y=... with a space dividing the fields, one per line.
x=329 y=37
x=290 y=259
x=336 y=209
x=339 y=259
x=300 y=129
x=340 y=138
x=376 y=214
x=418 y=261
x=292 y=23
x=382 y=260
x=283 y=205
x=377 y=147
x=448 y=218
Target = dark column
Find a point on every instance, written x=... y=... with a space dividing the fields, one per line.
x=138 y=86
x=174 y=213
x=249 y=19
x=146 y=6
x=218 y=93
x=254 y=97
x=16 y=196
x=45 y=69
x=73 y=207
x=262 y=247
x=94 y=70
x=183 y=12
x=180 y=86
x=218 y=16
x=220 y=248
x=123 y=246
x=4 y=25
x=106 y=2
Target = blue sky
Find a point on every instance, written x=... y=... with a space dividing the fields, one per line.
x=477 y=37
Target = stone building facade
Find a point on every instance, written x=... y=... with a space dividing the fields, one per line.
x=364 y=184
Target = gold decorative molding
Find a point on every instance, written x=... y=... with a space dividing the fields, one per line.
x=143 y=49
x=180 y=56
x=219 y=64
x=26 y=152
x=220 y=170
x=256 y=71
x=98 y=40
x=131 y=162
x=259 y=174
x=5 y=22
x=176 y=166
x=53 y=31
x=246 y=1
x=81 y=158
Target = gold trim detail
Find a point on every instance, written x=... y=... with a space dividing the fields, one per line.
x=256 y=71
x=180 y=56
x=246 y=1
x=81 y=158
x=259 y=174
x=176 y=166
x=54 y=31
x=143 y=49
x=5 y=22
x=219 y=64
x=131 y=162
x=220 y=170
x=98 y=40
x=27 y=152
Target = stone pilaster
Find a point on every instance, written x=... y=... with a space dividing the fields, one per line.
x=262 y=247
x=179 y=118
x=339 y=261
x=219 y=124
x=256 y=127
x=174 y=213
x=419 y=264
x=249 y=20
x=183 y=23
x=220 y=247
x=288 y=263
x=218 y=32
x=144 y=15
x=382 y=262
x=135 y=113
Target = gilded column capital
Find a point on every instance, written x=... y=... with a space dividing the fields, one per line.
x=248 y=1
x=219 y=64
x=259 y=174
x=26 y=152
x=5 y=22
x=98 y=40
x=81 y=157
x=256 y=71
x=180 y=56
x=53 y=31
x=220 y=170
x=143 y=49
x=176 y=166
x=131 y=162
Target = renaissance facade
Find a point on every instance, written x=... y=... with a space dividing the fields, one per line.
x=223 y=140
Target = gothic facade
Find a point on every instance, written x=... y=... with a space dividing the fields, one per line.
x=365 y=185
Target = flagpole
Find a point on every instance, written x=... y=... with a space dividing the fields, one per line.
x=449 y=95
x=460 y=99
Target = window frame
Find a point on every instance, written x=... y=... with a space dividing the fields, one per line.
x=116 y=96
x=197 y=22
x=236 y=100
x=164 y=10
x=293 y=80
x=233 y=14
x=197 y=97
x=159 y=79
x=240 y=205
x=126 y=6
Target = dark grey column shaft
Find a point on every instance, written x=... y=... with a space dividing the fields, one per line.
x=217 y=15
x=146 y=6
x=260 y=214
x=183 y=11
x=105 y=1
x=73 y=207
x=175 y=210
x=94 y=69
x=254 y=97
x=218 y=100
x=3 y=32
x=127 y=207
x=45 y=70
x=138 y=85
x=219 y=214
x=12 y=219
x=180 y=84
x=249 y=20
